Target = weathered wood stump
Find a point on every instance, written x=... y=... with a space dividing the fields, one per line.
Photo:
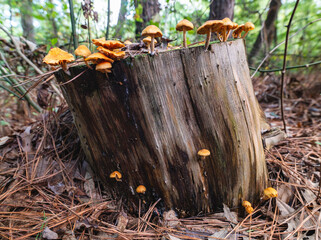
x=152 y=114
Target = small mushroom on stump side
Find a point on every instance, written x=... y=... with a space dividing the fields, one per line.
x=184 y=25
x=153 y=32
x=96 y=58
x=141 y=189
x=246 y=204
x=147 y=41
x=84 y=52
x=104 y=67
x=248 y=26
x=116 y=175
x=56 y=56
x=249 y=209
x=203 y=153
x=269 y=193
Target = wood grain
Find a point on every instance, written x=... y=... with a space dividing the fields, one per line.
x=151 y=115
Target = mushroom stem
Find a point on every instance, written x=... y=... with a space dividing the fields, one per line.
x=208 y=38
x=224 y=33
x=246 y=32
x=219 y=37
x=228 y=34
x=87 y=64
x=152 y=45
x=64 y=66
x=184 y=38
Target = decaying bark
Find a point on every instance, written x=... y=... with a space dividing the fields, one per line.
x=152 y=114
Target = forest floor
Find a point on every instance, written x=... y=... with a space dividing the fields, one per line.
x=47 y=191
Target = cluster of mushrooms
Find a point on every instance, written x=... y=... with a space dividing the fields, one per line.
x=117 y=175
x=108 y=51
x=267 y=193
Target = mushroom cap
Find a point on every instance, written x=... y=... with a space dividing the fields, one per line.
x=184 y=25
x=226 y=19
x=246 y=204
x=148 y=40
x=204 y=153
x=57 y=56
x=205 y=28
x=141 y=189
x=227 y=24
x=99 y=41
x=269 y=193
x=216 y=25
x=239 y=28
x=152 y=30
x=98 y=57
x=105 y=67
x=248 y=26
x=111 y=54
x=82 y=51
x=110 y=44
x=235 y=25
x=115 y=173
x=249 y=210
x=127 y=42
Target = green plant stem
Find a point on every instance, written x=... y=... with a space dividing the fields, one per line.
x=20 y=89
x=73 y=23
x=287 y=68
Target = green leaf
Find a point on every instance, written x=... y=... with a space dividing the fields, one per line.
x=319 y=143
x=4 y=123
x=54 y=41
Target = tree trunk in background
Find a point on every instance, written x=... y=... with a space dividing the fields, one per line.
x=151 y=115
x=220 y=9
x=121 y=19
x=27 y=20
x=268 y=30
x=146 y=10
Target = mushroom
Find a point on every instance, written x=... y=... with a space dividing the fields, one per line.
x=184 y=25
x=56 y=56
x=110 y=44
x=269 y=193
x=246 y=204
x=84 y=52
x=249 y=209
x=226 y=28
x=104 y=67
x=153 y=32
x=204 y=153
x=114 y=174
x=111 y=54
x=216 y=26
x=248 y=26
x=238 y=31
x=141 y=189
x=98 y=58
x=205 y=29
x=127 y=42
x=147 y=41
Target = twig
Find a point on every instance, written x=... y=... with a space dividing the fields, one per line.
x=108 y=20
x=287 y=68
x=73 y=23
x=284 y=63
x=280 y=44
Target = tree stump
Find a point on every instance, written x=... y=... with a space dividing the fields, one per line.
x=152 y=114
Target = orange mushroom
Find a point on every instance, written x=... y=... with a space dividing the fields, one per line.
x=183 y=26
x=141 y=189
x=56 y=56
x=153 y=32
x=114 y=174
x=98 y=58
x=111 y=54
x=104 y=67
x=84 y=52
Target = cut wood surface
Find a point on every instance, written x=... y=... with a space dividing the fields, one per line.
x=152 y=114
